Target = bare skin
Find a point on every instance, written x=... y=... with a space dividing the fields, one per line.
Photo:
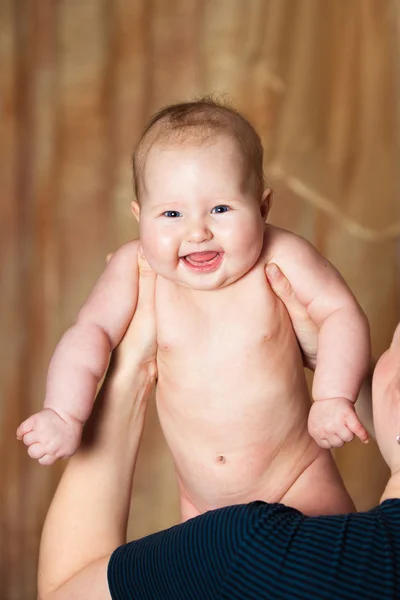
x=224 y=415
x=231 y=394
x=87 y=519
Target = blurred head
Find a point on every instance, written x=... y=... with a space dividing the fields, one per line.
x=201 y=201
x=386 y=403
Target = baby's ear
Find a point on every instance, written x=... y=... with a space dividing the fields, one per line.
x=136 y=209
x=266 y=202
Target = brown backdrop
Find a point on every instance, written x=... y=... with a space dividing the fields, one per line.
x=78 y=79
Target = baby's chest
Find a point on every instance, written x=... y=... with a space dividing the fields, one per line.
x=238 y=318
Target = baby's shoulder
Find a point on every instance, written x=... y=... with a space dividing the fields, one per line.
x=280 y=242
x=124 y=256
x=122 y=264
x=127 y=250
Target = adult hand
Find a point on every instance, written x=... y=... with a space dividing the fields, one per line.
x=139 y=344
x=305 y=329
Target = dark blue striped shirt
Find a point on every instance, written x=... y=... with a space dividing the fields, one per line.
x=260 y=551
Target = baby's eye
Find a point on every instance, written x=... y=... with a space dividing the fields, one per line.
x=172 y=214
x=221 y=208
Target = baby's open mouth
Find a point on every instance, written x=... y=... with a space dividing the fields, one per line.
x=203 y=261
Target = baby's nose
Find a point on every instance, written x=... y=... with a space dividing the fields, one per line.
x=198 y=232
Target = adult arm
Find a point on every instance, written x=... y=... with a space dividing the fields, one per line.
x=88 y=516
x=271 y=551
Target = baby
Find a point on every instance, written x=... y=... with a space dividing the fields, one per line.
x=231 y=393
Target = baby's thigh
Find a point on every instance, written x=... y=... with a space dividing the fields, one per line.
x=188 y=509
x=320 y=490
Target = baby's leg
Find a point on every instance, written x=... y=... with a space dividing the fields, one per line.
x=188 y=509
x=320 y=490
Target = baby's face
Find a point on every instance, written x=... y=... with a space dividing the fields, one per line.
x=199 y=225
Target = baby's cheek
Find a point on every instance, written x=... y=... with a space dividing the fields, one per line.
x=251 y=244
x=158 y=250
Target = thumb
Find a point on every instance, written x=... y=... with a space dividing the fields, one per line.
x=144 y=267
x=278 y=282
x=147 y=281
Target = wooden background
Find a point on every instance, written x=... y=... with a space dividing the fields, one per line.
x=78 y=80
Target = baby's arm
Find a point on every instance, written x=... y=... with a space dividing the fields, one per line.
x=343 y=343
x=81 y=358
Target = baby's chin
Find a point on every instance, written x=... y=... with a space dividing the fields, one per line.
x=206 y=283
x=204 y=286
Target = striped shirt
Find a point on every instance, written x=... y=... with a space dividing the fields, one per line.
x=261 y=551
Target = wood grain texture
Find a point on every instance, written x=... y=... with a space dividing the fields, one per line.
x=78 y=80
x=10 y=303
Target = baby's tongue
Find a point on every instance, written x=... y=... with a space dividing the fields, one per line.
x=201 y=256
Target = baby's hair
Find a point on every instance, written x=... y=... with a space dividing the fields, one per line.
x=198 y=122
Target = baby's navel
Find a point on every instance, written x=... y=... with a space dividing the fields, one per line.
x=220 y=460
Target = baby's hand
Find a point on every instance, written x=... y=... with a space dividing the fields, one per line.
x=333 y=421
x=49 y=437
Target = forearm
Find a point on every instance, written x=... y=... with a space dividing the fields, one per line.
x=77 y=365
x=88 y=516
x=343 y=357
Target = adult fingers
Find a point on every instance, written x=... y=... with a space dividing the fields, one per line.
x=147 y=282
x=282 y=288
x=280 y=284
x=141 y=332
x=305 y=329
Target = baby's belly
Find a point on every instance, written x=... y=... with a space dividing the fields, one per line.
x=237 y=430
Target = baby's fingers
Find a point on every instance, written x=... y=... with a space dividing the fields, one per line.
x=36 y=451
x=30 y=438
x=25 y=427
x=345 y=434
x=324 y=443
x=355 y=426
x=335 y=440
x=47 y=460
